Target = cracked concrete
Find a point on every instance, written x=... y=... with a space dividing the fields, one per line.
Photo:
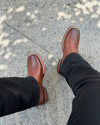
x=28 y=26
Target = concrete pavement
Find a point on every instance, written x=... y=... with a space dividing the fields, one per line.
x=28 y=26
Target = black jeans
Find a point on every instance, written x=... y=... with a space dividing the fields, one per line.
x=17 y=94
x=85 y=84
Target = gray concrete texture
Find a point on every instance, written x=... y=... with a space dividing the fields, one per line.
x=38 y=25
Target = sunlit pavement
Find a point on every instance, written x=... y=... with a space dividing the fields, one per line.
x=29 y=25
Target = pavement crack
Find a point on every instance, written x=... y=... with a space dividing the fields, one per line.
x=26 y=37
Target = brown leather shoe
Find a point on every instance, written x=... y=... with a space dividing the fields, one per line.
x=69 y=44
x=36 y=68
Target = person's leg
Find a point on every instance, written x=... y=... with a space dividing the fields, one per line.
x=17 y=94
x=85 y=84
x=82 y=78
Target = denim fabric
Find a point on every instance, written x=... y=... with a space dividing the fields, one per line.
x=17 y=94
x=85 y=84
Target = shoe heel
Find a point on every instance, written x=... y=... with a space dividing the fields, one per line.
x=45 y=96
x=58 y=67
